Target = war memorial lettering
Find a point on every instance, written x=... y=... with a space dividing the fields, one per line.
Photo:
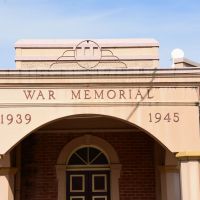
x=133 y=95
x=138 y=96
x=98 y=120
x=87 y=94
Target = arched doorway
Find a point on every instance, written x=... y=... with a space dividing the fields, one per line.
x=135 y=164
x=92 y=159
x=88 y=175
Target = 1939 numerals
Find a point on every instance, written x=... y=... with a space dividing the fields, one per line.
x=9 y=119
x=168 y=117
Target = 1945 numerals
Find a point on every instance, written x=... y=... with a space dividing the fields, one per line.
x=9 y=119
x=168 y=117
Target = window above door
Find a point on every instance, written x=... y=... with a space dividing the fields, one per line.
x=87 y=156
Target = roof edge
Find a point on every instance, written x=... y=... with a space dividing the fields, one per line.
x=62 y=43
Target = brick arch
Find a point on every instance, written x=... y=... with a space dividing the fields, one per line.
x=88 y=140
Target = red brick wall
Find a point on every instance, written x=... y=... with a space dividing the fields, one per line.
x=40 y=152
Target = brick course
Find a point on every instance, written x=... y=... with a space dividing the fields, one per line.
x=40 y=152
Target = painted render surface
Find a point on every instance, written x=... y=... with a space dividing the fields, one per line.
x=164 y=103
x=118 y=79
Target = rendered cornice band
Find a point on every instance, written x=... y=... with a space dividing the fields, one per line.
x=190 y=155
x=7 y=170
x=107 y=43
x=52 y=58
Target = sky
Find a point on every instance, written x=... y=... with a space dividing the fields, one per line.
x=174 y=23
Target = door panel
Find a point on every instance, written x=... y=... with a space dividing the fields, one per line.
x=88 y=185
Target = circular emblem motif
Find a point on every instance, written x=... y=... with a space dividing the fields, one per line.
x=88 y=54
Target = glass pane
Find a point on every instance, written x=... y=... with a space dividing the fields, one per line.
x=100 y=160
x=75 y=160
x=83 y=154
x=77 y=183
x=99 y=183
x=93 y=153
x=88 y=155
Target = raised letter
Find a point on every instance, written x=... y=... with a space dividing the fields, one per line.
x=87 y=94
x=139 y=94
x=149 y=96
x=121 y=94
x=40 y=95
x=113 y=95
x=29 y=94
x=51 y=95
x=77 y=95
x=98 y=95
x=130 y=94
